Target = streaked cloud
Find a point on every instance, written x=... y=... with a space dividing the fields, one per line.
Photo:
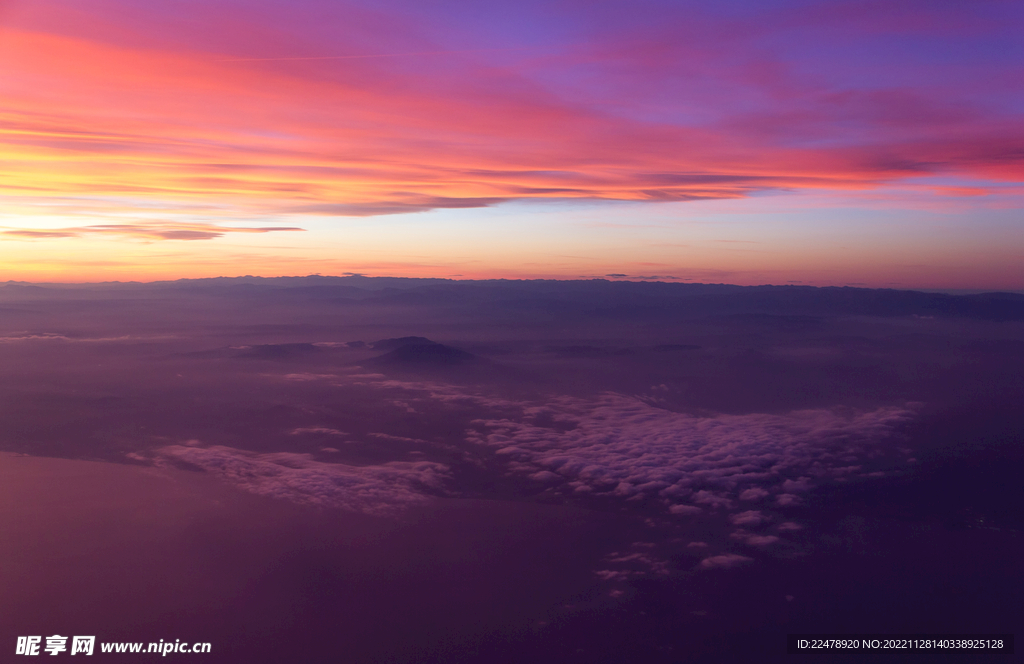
x=334 y=116
x=355 y=111
x=156 y=231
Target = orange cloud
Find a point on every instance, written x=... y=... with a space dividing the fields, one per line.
x=354 y=137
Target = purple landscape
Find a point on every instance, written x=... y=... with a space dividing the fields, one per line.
x=379 y=469
x=546 y=332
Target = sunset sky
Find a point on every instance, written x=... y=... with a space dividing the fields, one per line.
x=772 y=141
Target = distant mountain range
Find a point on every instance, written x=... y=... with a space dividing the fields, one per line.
x=597 y=298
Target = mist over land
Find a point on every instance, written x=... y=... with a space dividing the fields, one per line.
x=384 y=469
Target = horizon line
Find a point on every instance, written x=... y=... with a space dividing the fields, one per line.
x=605 y=278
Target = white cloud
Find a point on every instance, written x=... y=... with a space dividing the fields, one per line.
x=754 y=540
x=54 y=336
x=761 y=540
x=749 y=518
x=621 y=446
x=725 y=561
x=639 y=563
x=804 y=483
x=320 y=430
x=395 y=439
x=712 y=499
x=306 y=377
x=382 y=489
x=753 y=493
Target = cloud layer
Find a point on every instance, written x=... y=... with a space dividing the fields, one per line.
x=360 y=109
x=151 y=231
x=619 y=446
x=382 y=489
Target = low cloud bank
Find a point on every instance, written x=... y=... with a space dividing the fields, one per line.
x=621 y=446
x=382 y=489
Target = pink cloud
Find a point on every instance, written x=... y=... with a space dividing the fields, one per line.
x=753 y=493
x=748 y=518
x=725 y=561
x=142 y=231
x=383 y=489
x=619 y=446
x=265 y=113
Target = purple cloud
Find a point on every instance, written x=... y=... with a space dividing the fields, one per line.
x=143 y=231
x=749 y=518
x=725 y=561
x=620 y=446
x=383 y=489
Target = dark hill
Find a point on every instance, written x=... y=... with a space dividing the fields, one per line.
x=392 y=344
x=425 y=355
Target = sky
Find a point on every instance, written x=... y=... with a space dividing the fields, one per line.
x=824 y=143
